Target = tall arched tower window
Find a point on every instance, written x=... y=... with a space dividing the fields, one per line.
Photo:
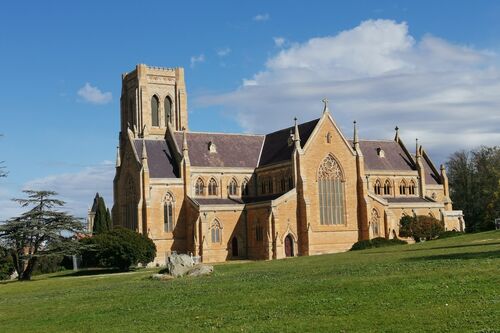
x=155 y=110
x=331 y=192
x=375 y=223
x=387 y=187
x=377 y=187
x=168 y=111
x=168 y=213
x=402 y=187
x=216 y=232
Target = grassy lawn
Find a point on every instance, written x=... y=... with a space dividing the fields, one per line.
x=449 y=285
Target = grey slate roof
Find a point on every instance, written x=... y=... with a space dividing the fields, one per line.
x=161 y=160
x=406 y=200
x=395 y=158
x=217 y=201
x=430 y=177
x=276 y=148
x=233 y=150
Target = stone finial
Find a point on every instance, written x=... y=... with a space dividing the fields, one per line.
x=325 y=108
x=184 y=140
x=356 y=139
x=296 y=134
x=118 y=159
x=144 y=153
x=396 y=138
x=417 y=151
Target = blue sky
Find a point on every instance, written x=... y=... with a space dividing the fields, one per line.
x=431 y=67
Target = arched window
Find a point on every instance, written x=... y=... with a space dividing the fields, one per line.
x=262 y=187
x=270 y=185
x=377 y=187
x=131 y=120
x=155 y=116
x=233 y=187
x=331 y=192
x=244 y=187
x=216 y=232
x=168 y=111
x=411 y=188
x=402 y=188
x=168 y=213
x=387 y=187
x=375 y=223
x=212 y=187
x=199 y=187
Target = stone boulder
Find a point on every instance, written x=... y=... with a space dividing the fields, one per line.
x=200 y=270
x=162 y=277
x=179 y=264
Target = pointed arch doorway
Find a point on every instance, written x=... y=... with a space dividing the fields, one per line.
x=289 y=246
x=234 y=247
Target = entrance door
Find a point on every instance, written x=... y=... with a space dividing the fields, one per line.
x=289 y=246
x=234 y=246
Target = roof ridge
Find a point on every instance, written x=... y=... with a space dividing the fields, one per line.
x=221 y=133
x=286 y=128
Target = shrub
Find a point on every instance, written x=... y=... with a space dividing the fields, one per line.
x=420 y=227
x=376 y=242
x=6 y=264
x=119 y=248
x=48 y=264
x=450 y=233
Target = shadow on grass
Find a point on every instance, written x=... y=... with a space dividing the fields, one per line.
x=459 y=256
x=90 y=272
x=435 y=247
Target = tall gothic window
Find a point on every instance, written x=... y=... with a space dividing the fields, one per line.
x=199 y=187
x=155 y=117
x=168 y=213
x=270 y=185
x=402 y=188
x=168 y=111
x=131 y=120
x=216 y=232
x=375 y=223
x=244 y=187
x=262 y=187
x=233 y=187
x=331 y=192
x=212 y=187
x=387 y=187
x=131 y=207
x=377 y=187
x=411 y=188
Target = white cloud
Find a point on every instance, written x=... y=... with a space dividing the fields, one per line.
x=197 y=59
x=76 y=188
x=94 y=95
x=223 y=52
x=261 y=17
x=378 y=74
x=279 y=41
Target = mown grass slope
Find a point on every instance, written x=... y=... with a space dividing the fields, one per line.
x=449 y=285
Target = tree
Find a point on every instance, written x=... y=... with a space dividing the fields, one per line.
x=474 y=178
x=102 y=219
x=6 y=264
x=420 y=227
x=119 y=248
x=43 y=230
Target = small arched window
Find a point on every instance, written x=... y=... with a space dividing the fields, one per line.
x=168 y=213
x=168 y=111
x=212 y=187
x=155 y=111
x=375 y=223
x=216 y=232
x=199 y=187
x=233 y=187
x=244 y=187
x=387 y=187
x=411 y=188
x=402 y=188
x=377 y=187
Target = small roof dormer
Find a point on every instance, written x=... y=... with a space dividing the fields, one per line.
x=212 y=148
x=380 y=152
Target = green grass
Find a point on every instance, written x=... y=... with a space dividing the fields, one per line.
x=449 y=285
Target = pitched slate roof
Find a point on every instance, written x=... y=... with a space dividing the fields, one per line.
x=395 y=157
x=406 y=200
x=430 y=177
x=161 y=160
x=276 y=148
x=233 y=150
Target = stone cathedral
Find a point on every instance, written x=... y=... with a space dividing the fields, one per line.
x=298 y=191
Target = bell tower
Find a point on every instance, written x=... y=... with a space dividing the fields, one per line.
x=153 y=99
